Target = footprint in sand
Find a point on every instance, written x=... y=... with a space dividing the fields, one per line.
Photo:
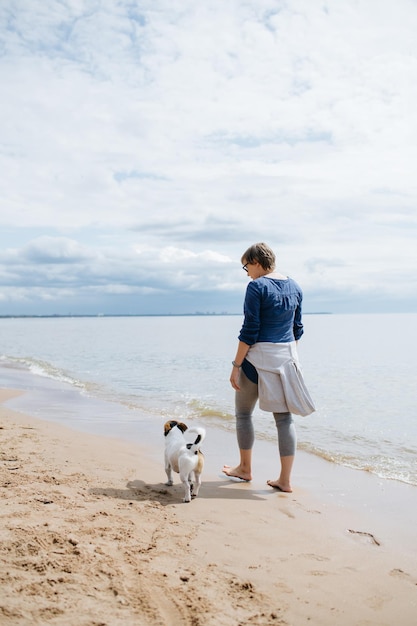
x=399 y=573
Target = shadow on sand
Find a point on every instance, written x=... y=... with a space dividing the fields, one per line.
x=139 y=491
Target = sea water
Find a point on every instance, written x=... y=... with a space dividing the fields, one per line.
x=109 y=374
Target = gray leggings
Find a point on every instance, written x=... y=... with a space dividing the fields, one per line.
x=245 y=401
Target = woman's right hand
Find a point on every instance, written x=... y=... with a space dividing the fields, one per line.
x=234 y=378
x=242 y=350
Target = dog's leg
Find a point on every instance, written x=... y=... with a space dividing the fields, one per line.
x=168 y=470
x=196 y=484
x=187 y=487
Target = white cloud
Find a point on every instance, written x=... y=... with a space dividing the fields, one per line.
x=193 y=129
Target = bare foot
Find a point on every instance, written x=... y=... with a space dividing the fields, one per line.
x=275 y=484
x=236 y=472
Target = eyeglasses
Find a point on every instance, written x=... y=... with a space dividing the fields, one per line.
x=245 y=267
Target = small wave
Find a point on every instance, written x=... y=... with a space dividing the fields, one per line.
x=199 y=409
x=381 y=466
x=43 y=368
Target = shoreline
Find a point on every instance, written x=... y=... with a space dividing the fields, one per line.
x=355 y=429
x=91 y=535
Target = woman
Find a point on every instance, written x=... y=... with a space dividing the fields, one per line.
x=266 y=362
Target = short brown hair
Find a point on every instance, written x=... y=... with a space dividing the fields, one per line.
x=260 y=253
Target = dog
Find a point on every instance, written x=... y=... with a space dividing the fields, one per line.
x=184 y=458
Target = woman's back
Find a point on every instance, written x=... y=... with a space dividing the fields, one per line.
x=272 y=311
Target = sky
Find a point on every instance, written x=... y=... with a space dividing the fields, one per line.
x=145 y=145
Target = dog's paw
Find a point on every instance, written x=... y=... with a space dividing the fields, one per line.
x=169 y=483
x=187 y=500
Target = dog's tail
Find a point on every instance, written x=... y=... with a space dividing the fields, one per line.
x=201 y=433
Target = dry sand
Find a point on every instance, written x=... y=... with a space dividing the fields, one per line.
x=91 y=536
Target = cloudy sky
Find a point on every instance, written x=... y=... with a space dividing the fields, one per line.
x=145 y=144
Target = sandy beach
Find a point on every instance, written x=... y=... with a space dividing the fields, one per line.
x=91 y=536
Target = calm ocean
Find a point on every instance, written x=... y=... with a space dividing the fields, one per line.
x=107 y=374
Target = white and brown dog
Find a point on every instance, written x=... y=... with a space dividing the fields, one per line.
x=183 y=455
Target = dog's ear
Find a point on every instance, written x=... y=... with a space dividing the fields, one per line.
x=168 y=426
x=183 y=427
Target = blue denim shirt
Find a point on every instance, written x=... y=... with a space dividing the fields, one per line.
x=273 y=313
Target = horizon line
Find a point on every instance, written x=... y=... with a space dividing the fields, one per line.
x=196 y=314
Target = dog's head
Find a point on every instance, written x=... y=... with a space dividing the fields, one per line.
x=168 y=426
